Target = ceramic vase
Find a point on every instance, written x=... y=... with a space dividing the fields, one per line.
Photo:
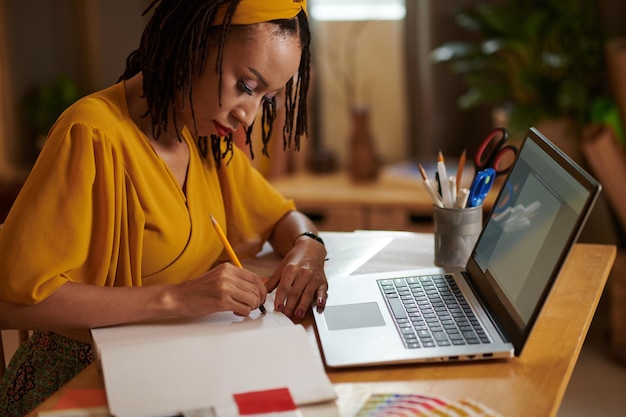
x=363 y=160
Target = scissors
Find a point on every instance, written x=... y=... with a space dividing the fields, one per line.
x=480 y=187
x=493 y=153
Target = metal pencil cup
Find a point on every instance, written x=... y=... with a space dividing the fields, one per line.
x=456 y=232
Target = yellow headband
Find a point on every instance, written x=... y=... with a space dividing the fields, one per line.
x=257 y=11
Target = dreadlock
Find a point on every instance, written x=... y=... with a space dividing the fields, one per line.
x=174 y=46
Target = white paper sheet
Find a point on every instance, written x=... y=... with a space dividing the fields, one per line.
x=160 y=369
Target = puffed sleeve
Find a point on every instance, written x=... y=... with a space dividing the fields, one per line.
x=69 y=220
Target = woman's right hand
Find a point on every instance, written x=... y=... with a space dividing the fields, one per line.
x=224 y=288
x=77 y=307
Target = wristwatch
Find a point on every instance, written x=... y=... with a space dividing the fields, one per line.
x=313 y=236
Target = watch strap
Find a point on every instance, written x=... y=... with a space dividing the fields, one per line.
x=312 y=236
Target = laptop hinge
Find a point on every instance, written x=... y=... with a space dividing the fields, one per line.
x=496 y=324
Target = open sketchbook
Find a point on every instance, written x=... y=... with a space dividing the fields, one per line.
x=165 y=367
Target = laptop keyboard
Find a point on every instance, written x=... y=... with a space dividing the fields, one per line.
x=431 y=311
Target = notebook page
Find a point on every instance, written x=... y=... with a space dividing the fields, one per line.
x=216 y=323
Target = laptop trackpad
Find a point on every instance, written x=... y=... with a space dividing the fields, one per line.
x=352 y=316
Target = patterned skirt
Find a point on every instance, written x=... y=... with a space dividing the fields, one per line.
x=40 y=366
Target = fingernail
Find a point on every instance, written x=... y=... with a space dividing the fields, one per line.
x=299 y=313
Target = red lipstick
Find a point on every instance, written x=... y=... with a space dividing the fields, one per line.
x=222 y=130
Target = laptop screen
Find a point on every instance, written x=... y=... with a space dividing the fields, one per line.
x=537 y=217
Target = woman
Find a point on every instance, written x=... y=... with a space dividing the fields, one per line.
x=113 y=224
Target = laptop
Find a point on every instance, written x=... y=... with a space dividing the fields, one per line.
x=404 y=317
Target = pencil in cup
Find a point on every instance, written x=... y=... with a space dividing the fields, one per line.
x=443 y=180
x=459 y=170
x=452 y=186
x=430 y=187
x=461 y=198
x=229 y=249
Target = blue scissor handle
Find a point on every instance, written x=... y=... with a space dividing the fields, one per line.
x=480 y=187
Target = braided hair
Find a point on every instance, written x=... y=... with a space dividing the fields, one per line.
x=174 y=46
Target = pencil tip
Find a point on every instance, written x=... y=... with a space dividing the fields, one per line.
x=422 y=171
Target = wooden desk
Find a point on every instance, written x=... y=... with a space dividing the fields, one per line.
x=530 y=385
x=334 y=202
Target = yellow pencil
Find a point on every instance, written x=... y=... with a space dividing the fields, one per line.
x=226 y=243
x=229 y=249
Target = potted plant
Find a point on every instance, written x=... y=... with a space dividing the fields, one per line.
x=539 y=59
x=43 y=104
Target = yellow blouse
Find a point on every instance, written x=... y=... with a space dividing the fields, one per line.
x=100 y=207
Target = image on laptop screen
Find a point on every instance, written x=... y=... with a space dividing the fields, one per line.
x=521 y=259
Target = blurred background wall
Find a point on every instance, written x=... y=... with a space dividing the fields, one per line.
x=412 y=103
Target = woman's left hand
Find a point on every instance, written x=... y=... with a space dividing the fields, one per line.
x=300 y=280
